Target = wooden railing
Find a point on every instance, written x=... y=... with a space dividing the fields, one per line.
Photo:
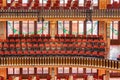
x=60 y=13
x=60 y=61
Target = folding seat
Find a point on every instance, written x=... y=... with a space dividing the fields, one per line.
x=67 y=40
x=62 y=52
x=101 y=54
x=34 y=40
x=96 y=42
x=88 y=53
x=71 y=46
x=89 y=47
x=102 y=42
x=40 y=41
x=27 y=36
x=48 y=36
x=28 y=40
x=45 y=40
x=44 y=52
x=42 y=46
x=12 y=41
x=65 y=46
x=75 y=52
x=56 y=40
x=74 y=40
x=38 y=52
x=7 y=53
x=79 y=36
x=62 y=40
x=81 y=53
x=109 y=6
x=79 y=41
x=18 y=46
x=95 y=37
x=17 y=41
x=20 y=52
x=24 y=46
x=90 y=41
x=47 y=46
x=29 y=46
x=77 y=46
x=62 y=36
x=5 y=46
x=36 y=36
x=100 y=37
x=13 y=52
x=84 y=37
x=83 y=46
x=59 y=46
x=43 y=36
x=1 y=53
x=102 y=48
x=1 y=46
x=32 y=52
x=72 y=36
x=25 y=52
x=10 y=35
x=69 y=52
x=51 y=52
x=57 y=52
x=53 y=46
x=16 y=36
x=35 y=46
x=57 y=36
x=115 y=5
x=94 y=54
x=12 y=47
x=95 y=48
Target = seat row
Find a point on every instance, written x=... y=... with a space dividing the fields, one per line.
x=52 y=53
x=48 y=5
x=38 y=41
x=114 y=5
x=52 y=46
x=21 y=36
x=67 y=36
x=57 y=36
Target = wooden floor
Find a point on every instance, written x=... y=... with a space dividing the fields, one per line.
x=114 y=52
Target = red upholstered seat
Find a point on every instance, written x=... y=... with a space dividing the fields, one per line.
x=1 y=52
x=38 y=52
x=1 y=46
x=7 y=52
x=32 y=52
x=13 y=52
x=25 y=52
x=19 y=52
x=5 y=46
x=68 y=52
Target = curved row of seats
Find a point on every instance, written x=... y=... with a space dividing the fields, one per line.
x=52 y=53
x=52 y=46
x=33 y=41
x=114 y=5
x=57 y=36
x=36 y=5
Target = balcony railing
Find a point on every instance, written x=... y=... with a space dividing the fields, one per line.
x=60 y=13
x=63 y=61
